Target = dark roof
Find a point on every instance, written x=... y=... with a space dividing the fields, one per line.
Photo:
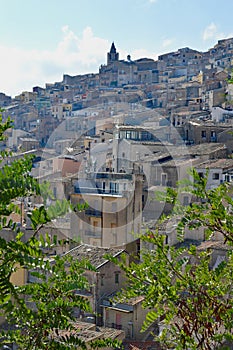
x=95 y=255
x=113 y=49
x=205 y=148
x=215 y=245
x=223 y=163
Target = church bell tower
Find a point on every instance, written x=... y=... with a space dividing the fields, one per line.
x=113 y=56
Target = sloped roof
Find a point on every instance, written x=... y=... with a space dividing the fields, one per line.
x=88 y=332
x=113 y=48
x=223 y=163
x=215 y=245
x=95 y=255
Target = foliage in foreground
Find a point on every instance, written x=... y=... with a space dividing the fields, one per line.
x=38 y=315
x=192 y=303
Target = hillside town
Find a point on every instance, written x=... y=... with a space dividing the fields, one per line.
x=112 y=140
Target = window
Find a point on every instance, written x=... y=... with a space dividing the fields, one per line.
x=203 y=133
x=215 y=176
x=55 y=192
x=95 y=224
x=102 y=280
x=113 y=225
x=117 y=277
x=128 y=134
x=114 y=187
x=186 y=200
x=164 y=179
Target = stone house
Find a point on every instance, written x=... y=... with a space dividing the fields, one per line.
x=208 y=151
x=89 y=333
x=105 y=279
x=28 y=143
x=61 y=110
x=198 y=131
x=126 y=315
x=14 y=136
x=219 y=251
x=105 y=282
x=219 y=171
x=67 y=164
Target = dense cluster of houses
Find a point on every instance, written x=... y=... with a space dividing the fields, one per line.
x=112 y=140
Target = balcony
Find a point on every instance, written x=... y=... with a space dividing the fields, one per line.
x=114 y=176
x=97 y=191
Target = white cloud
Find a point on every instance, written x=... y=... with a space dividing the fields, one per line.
x=167 y=42
x=138 y=53
x=211 y=33
x=22 y=69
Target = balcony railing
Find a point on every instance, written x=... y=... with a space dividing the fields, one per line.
x=96 y=190
x=114 y=176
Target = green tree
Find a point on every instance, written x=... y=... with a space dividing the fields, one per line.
x=192 y=303
x=38 y=315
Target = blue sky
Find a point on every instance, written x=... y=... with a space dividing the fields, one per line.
x=40 y=40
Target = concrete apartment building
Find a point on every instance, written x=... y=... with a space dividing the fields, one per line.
x=132 y=143
x=114 y=208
